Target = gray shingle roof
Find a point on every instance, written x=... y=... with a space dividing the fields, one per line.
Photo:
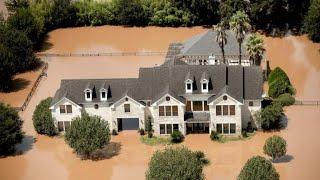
x=205 y=44
x=155 y=82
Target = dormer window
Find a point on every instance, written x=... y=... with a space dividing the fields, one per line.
x=204 y=85
x=188 y=86
x=88 y=95
x=103 y=94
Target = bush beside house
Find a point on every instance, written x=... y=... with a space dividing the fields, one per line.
x=269 y=117
x=42 y=118
x=148 y=127
x=285 y=99
x=279 y=83
x=275 y=147
x=260 y=168
x=177 y=137
x=87 y=134
x=176 y=163
x=10 y=129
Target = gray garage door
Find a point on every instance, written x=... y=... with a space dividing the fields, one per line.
x=128 y=124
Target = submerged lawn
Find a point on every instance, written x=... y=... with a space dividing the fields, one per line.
x=224 y=139
x=155 y=140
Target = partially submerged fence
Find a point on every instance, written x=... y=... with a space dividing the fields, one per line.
x=148 y=53
x=34 y=87
x=307 y=103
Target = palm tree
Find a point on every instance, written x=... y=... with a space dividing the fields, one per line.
x=255 y=47
x=221 y=38
x=239 y=24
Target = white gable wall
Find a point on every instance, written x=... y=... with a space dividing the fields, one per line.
x=225 y=119
x=157 y=120
x=76 y=111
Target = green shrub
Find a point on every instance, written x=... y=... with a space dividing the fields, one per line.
x=244 y=134
x=10 y=129
x=176 y=137
x=141 y=132
x=176 y=163
x=269 y=117
x=214 y=136
x=42 y=118
x=285 y=99
x=279 y=83
x=249 y=128
x=275 y=147
x=312 y=21
x=87 y=134
x=260 y=168
x=148 y=127
x=114 y=132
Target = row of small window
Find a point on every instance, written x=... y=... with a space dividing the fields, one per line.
x=63 y=125
x=225 y=110
x=168 y=128
x=168 y=111
x=226 y=128
x=65 y=109
x=197 y=106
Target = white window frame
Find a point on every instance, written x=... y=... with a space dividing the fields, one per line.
x=103 y=98
x=229 y=130
x=205 y=81
x=85 y=95
x=189 y=82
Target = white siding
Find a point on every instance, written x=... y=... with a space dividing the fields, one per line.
x=225 y=119
x=64 y=116
x=157 y=120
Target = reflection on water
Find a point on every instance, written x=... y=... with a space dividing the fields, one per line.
x=51 y=158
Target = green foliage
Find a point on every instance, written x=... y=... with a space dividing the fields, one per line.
x=214 y=136
x=20 y=46
x=312 y=21
x=148 y=127
x=10 y=129
x=87 y=134
x=14 y=5
x=23 y=20
x=229 y=7
x=6 y=67
x=176 y=163
x=154 y=140
x=260 y=168
x=255 y=47
x=130 y=12
x=176 y=137
x=269 y=117
x=141 y=131
x=114 y=132
x=42 y=118
x=275 y=147
x=285 y=99
x=279 y=83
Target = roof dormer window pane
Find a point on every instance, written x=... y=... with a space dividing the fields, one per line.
x=188 y=86
x=88 y=95
x=103 y=94
x=204 y=86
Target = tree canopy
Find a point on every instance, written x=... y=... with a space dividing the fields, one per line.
x=260 y=168
x=255 y=47
x=10 y=129
x=275 y=147
x=87 y=134
x=176 y=163
x=312 y=21
x=42 y=118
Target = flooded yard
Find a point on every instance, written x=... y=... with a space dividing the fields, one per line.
x=51 y=158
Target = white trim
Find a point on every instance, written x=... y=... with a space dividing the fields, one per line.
x=106 y=95
x=204 y=81
x=75 y=104
x=115 y=103
x=225 y=94
x=167 y=94
x=85 y=95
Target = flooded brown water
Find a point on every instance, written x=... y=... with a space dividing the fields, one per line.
x=51 y=158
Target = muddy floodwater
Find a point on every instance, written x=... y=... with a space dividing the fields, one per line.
x=51 y=158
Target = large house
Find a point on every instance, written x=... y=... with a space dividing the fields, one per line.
x=176 y=96
x=203 y=49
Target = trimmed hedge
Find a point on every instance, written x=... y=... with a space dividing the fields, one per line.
x=279 y=83
x=285 y=99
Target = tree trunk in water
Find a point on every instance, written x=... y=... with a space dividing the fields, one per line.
x=239 y=53
x=223 y=58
